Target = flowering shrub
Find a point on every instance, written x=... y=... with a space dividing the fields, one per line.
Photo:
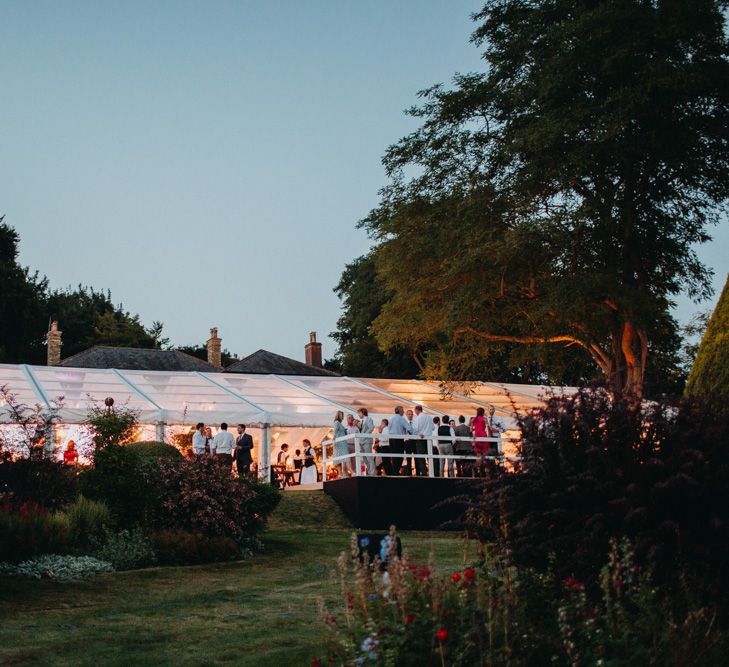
x=202 y=497
x=493 y=613
x=60 y=568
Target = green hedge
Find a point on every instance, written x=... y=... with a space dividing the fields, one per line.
x=710 y=373
x=154 y=450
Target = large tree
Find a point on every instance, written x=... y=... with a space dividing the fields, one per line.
x=89 y=317
x=363 y=298
x=557 y=197
x=86 y=316
x=358 y=354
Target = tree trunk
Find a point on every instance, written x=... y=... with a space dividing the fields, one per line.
x=634 y=349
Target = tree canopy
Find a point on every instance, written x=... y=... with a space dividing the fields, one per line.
x=22 y=295
x=557 y=197
x=86 y=316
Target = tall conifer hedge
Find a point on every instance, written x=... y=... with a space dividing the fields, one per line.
x=710 y=373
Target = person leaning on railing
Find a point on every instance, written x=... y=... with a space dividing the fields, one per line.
x=480 y=429
x=367 y=427
x=423 y=426
x=445 y=447
x=399 y=427
x=463 y=447
x=382 y=446
x=340 y=448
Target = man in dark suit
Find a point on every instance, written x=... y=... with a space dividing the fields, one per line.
x=243 y=449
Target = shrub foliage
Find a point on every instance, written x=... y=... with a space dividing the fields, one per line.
x=595 y=469
x=45 y=482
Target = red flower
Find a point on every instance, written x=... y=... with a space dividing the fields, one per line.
x=424 y=573
x=315 y=662
x=442 y=635
x=469 y=573
x=456 y=577
x=409 y=619
x=572 y=583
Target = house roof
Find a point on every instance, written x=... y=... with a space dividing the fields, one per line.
x=265 y=362
x=135 y=358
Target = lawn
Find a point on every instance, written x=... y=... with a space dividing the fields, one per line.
x=263 y=611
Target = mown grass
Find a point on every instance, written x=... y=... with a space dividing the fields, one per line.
x=263 y=611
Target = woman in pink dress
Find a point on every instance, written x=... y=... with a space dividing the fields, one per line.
x=480 y=429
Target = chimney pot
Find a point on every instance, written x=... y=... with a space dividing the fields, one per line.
x=53 y=339
x=214 y=346
x=312 y=352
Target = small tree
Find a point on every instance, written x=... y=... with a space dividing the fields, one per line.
x=33 y=423
x=112 y=426
x=710 y=373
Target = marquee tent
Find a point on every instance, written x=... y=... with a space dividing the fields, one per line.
x=189 y=397
x=266 y=402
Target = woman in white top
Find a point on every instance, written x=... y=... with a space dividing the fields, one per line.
x=309 y=473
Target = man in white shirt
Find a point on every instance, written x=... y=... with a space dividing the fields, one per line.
x=423 y=426
x=198 y=441
x=223 y=446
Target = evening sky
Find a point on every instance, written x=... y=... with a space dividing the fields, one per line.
x=208 y=162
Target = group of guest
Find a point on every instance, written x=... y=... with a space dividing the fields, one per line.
x=224 y=447
x=304 y=462
x=405 y=435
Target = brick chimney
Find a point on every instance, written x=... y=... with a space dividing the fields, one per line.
x=53 y=339
x=214 y=343
x=312 y=351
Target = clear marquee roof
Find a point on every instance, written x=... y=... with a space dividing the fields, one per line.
x=283 y=400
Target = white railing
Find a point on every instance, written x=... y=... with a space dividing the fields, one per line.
x=432 y=440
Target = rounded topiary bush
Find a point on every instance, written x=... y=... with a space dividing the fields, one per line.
x=152 y=449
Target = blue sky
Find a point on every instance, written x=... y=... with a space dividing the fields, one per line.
x=208 y=162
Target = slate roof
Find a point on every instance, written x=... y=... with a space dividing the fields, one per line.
x=136 y=358
x=264 y=362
